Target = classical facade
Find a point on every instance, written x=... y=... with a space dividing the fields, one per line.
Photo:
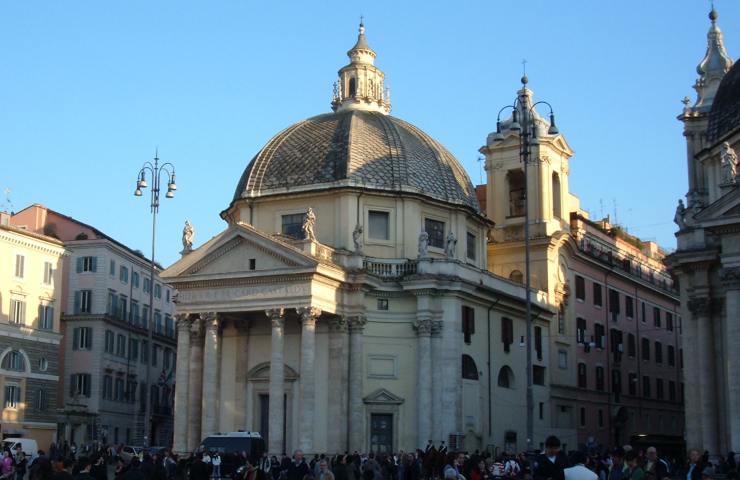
x=106 y=312
x=347 y=305
x=614 y=348
x=707 y=260
x=30 y=304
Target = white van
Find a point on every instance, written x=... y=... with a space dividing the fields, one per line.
x=28 y=445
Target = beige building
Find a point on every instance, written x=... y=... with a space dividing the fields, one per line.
x=707 y=261
x=30 y=306
x=347 y=305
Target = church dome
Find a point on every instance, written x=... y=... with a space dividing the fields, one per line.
x=357 y=148
x=725 y=115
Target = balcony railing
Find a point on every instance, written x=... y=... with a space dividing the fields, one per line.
x=390 y=268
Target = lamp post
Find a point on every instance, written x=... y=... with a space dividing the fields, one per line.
x=526 y=130
x=155 y=171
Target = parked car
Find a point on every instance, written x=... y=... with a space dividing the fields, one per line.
x=28 y=446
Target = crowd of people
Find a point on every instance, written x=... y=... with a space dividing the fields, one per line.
x=623 y=463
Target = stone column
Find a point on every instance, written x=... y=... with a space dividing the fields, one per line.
x=338 y=370
x=436 y=341
x=701 y=309
x=692 y=397
x=307 y=393
x=424 y=381
x=356 y=377
x=451 y=370
x=731 y=282
x=195 y=384
x=211 y=398
x=180 y=440
x=277 y=383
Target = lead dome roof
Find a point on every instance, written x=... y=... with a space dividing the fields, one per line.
x=360 y=149
x=725 y=114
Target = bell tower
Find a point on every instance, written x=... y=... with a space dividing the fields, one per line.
x=361 y=83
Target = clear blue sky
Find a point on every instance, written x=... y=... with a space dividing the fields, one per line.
x=90 y=88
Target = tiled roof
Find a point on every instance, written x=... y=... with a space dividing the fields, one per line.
x=725 y=116
x=368 y=149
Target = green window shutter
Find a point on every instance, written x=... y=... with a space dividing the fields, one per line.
x=79 y=264
x=76 y=339
x=94 y=264
x=77 y=302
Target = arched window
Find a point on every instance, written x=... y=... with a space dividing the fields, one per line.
x=469 y=369
x=556 y=199
x=352 y=87
x=15 y=361
x=505 y=377
x=516 y=193
x=516 y=276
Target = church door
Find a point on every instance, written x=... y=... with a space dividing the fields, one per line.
x=264 y=401
x=381 y=433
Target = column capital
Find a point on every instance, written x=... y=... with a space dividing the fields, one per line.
x=423 y=327
x=699 y=306
x=308 y=314
x=210 y=320
x=196 y=326
x=436 y=327
x=276 y=316
x=730 y=278
x=356 y=323
x=183 y=321
x=338 y=324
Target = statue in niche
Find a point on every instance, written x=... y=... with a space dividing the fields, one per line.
x=357 y=238
x=728 y=159
x=678 y=218
x=309 y=224
x=188 y=233
x=423 y=244
x=451 y=245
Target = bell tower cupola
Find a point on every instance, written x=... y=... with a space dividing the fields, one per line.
x=361 y=83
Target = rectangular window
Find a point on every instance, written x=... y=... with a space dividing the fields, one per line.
x=156 y=354
x=629 y=306
x=538 y=342
x=580 y=288
x=600 y=378
x=111 y=308
x=632 y=380
x=583 y=416
x=507 y=333
x=123 y=274
x=538 y=375
x=292 y=225
x=599 y=335
x=157 y=322
x=119 y=392
x=17 y=311
x=133 y=349
x=671 y=355
x=672 y=391
x=135 y=313
x=46 y=317
x=658 y=352
x=581 y=330
x=107 y=387
x=382 y=304
x=252 y=266
x=110 y=341
x=144 y=351
x=79 y=384
x=598 y=300
x=645 y=349
x=82 y=338
x=563 y=359
x=669 y=321
x=122 y=308
x=48 y=273
x=659 y=388
x=166 y=358
x=169 y=326
x=582 y=376
x=42 y=399
x=112 y=268
x=468 y=323
x=145 y=316
x=436 y=232
x=83 y=301
x=158 y=290
x=631 y=346
x=601 y=418
x=542 y=410
x=147 y=285
x=614 y=303
x=12 y=396
x=135 y=279
x=121 y=346
x=656 y=316
x=20 y=263
x=643 y=318
x=561 y=319
x=378 y=225
x=470 y=245
x=646 y=386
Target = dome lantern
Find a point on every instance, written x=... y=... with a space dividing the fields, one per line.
x=715 y=64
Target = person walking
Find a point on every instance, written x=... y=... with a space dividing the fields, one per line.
x=324 y=472
x=216 y=462
x=298 y=468
x=579 y=470
x=695 y=465
x=551 y=464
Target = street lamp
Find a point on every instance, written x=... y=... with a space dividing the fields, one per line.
x=523 y=125
x=155 y=171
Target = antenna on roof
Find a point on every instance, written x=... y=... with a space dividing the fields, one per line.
x=481 y=159
x=7 y=205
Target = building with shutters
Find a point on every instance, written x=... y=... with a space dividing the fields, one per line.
x=31 y=273
x=105 y=312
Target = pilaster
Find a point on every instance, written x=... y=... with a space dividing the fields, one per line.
x=210 y=373
x=356 y=358
x=180 y=437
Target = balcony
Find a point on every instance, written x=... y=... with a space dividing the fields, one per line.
x=390 y=268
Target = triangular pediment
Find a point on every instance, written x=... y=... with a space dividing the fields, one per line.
x=726 y=210
x=383 y=396
x=240 y=249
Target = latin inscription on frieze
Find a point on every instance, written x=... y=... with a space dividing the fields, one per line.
x=236 y=294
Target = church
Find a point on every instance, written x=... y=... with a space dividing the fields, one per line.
x=348 y=304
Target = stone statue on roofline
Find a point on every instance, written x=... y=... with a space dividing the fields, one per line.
x=188 y=233
x=451 y=245
x=357 y=238
x=678 y=218
x=309 y=225
x=423 y=244
x=728 y=160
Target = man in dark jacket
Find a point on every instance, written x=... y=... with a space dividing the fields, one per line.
x=551 y=464
x=298 y=467
x=134 y=470
x=84 y=465
x=198 y=469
